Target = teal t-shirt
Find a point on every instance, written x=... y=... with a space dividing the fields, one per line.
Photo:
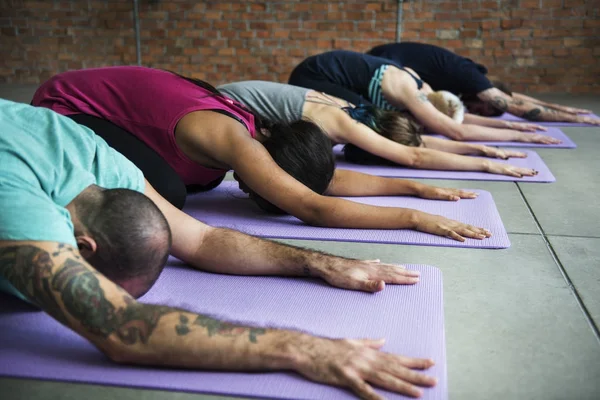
x=46 y=160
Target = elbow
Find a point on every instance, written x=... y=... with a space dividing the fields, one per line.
x=416 y=159
x=457 y=135
x=316 y=213
x=118 y=353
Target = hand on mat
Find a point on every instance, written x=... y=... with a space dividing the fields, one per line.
x=510 y=170
x=537 y=138
x=590 y=120
x=358 y=364
x=367 y=275
x=574 y=110
x=504 y=154
x=442 y=226
x=438 y=193
x=525 y=126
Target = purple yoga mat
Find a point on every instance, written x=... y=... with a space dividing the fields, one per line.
x=510 y=117
x=533 y=160
x=411 y=318
x=226 y=206
x=556 y=133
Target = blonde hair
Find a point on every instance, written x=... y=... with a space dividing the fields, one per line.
x=449 y=104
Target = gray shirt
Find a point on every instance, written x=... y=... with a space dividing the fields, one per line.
x=275 y=102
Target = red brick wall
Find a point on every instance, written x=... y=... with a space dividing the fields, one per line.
x=536 y=45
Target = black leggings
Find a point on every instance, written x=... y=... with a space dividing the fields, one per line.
x=307 y=79
x=156 y=170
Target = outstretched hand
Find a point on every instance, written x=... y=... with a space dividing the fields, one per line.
x=367 y=275
x=525 y=126
x=574 y=110
x=438 y=193
x=442 y=226
x=590 y=120
x=501 y=153
x=358 y=364
x=537 y=138
x=510 y=170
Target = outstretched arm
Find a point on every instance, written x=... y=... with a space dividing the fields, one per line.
x=451 y=146
x=532 y=111
x=439 y=123
x=227 y=251
x=350 y=131
x=502 y=124
x=56 y=278
x=255 y=166
x=570 y=110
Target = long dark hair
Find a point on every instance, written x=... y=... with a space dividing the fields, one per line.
x=300 y=148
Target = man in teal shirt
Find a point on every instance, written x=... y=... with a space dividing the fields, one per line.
x=75 y=230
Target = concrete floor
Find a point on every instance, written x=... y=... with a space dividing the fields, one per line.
x=521 y=323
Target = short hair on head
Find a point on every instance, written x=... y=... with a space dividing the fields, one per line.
x=398 y=126
x=132 y=235
x=301 y=149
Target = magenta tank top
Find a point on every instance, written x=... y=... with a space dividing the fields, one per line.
x=143 y=101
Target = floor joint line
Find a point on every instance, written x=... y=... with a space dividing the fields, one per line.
x=561 y=268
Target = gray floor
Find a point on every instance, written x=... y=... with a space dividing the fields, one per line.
x=521 y=323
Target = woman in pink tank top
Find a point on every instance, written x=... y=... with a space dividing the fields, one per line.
x=183 y=134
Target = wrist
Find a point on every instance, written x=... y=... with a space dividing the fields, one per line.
x=291 y=350
x=413 y=188
x=485 y=165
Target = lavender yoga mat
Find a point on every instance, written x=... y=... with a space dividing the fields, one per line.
x=567 y=143
x=411 y=318
x=510 y=117
x=226 y=206
x=533 y=160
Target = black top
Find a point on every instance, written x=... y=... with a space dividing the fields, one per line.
x=348 y=69
x=440 y=68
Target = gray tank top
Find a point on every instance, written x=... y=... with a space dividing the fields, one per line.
x=276 y=102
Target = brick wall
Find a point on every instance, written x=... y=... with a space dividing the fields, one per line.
x=536 y=45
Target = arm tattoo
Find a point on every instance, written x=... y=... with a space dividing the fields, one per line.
x=500 y=103
x=422 y=97
x=29 y=268
x=219 y=328
x=532 y=114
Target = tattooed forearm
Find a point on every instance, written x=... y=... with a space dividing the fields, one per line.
x=32 y=271
x=218 y=328
x=29 y=269
x=532 y=114
x=500 y=103
x=422 y=97
x=85 y=300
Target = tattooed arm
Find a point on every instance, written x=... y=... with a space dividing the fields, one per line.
x=440 y=123
x=532 y=111
x=55 y=277
x=570 y=110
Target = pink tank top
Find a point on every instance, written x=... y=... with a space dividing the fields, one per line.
x=143 y=101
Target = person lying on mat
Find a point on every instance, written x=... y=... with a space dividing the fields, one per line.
x=184 y=135
x=391 y=135
x=79 y=239
x=364 y=79
x=445 y=70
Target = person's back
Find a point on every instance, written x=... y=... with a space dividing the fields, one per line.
x=51 y=168
x=272 y=101
x=439 y=67
x=351 y=70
